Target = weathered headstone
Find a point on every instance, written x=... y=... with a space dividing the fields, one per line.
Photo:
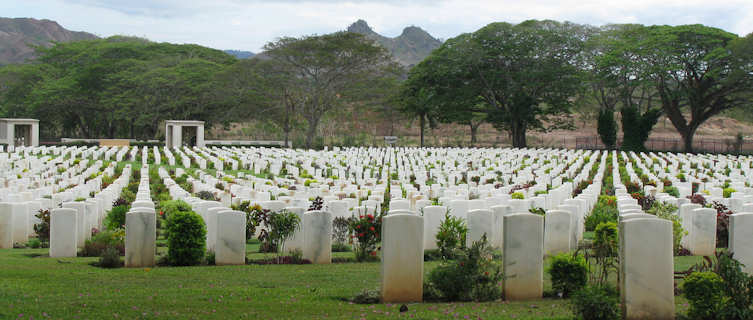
x=141 y=237
x=741 y=239
x=63 y=237
x=523 y=256
x=230 y=245
x=646 y=269
x=402 y=258
x=557 y=232
x=317 y=237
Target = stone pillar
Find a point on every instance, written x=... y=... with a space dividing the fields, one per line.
x=557 y=232
x=433 y=216
x=230 y=246
x=480 y=223
x=63 y=232
x=317 y=237
x=646 y=269
x=741 y=239
x=177 y=136
x=523 y=256
x=402 y=258
x=200 y=136
x=6 y=226
x=141 y=237
x=34 y=135
x=80 y=221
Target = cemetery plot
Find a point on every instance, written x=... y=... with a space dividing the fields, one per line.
x=504 y=221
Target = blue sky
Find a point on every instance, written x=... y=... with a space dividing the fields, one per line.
x=249 y=24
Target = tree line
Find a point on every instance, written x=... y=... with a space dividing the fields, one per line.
x=517 y=77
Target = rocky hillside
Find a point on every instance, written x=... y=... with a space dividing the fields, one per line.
x=409 y=48
x=18 y=35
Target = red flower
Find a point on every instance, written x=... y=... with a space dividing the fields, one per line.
x=360 y=234
x=462 y=264
x=358 y=226
x=371 y=228
x=370 y=217
x=373 y=253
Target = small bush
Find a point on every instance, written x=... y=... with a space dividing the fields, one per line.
x=116 y=218
x=595 y=303
x=474 y=276
x=340 y=247
x=705 y=293
x=366 y=229
x=186 y=235
x=601 y=213
x=110 y=258
x=42 y=229
x=451 y=235
x=173 y=206
x=727 y=192
x=672 y=191
x=517 y=195
x=101 y=241
x=367 y=297
x=568 y=272
x=34 y=244
x=340 y=230
x=206 y=195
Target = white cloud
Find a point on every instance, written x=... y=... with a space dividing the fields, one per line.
x=248 y=25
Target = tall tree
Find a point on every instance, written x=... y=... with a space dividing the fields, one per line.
x=698 y=72
x=524 y=74
x=329 y=68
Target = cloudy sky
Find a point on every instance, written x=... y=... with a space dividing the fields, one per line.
x=249 y=24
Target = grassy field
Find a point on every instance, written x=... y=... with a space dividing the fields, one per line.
x=36 y=287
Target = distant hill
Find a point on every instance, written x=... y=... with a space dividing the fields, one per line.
x=409 y=48
x=240 y=54
x=17 y=35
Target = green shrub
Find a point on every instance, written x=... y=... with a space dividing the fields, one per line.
x=451 y=235
x=595 y=303
x=705 y=293
x=206 y=195
x=474 y=276
x=128 y=196
x=738 y=289
x=601 y=213
x=667 y=211
x=116 y=218
x=727 y=192
x=569 y=273
x=185 y=238
x=110 y=258
x=34 y=244
x=173 y=206
x=42 y=229
x=282 y=226
x=101 y=241
x=517 y=195
x=672 y=191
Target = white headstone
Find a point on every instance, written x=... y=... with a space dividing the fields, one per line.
x=402 y=258
x=523 y=256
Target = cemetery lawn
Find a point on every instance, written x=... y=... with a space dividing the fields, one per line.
x=36 y=286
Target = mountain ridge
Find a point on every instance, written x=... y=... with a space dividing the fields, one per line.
x=19 y=35
x=409 y=48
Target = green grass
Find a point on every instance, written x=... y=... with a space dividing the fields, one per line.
x=35 y=285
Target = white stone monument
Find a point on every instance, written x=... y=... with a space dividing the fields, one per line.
x=317 y=237
x=402 y=258
x=523 y=256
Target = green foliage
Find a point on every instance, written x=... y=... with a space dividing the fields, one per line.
x=569 y=273
x=667 y=211
x=727 y=192
x=517 y=195
x=172 y=206
x=705 y=294
x=104 y=240
x=42 y=229
x=607 y=129
x=451 y=235
x=601 y=213
x=738 y=289
x=186 y=238
x=366 y=230
x=473 y=276
x=282 y=227
x=206 y=195
x=110 y=258
x=116 y=218
x=604 y=252
x=340 y=230
x=672 y=191
x=637 y=126
x=595 y=303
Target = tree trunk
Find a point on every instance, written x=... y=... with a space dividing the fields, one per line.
x=687 y=137
x=311 y=131
x=421 y=126
x=518 y=132
x=287 y=135
x=474 y=130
